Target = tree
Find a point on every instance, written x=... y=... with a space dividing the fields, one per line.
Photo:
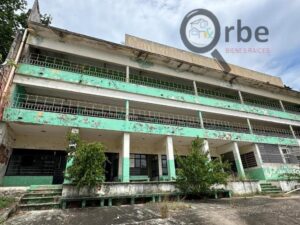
x=88 y=165
x=196 y=173
x=13 y=17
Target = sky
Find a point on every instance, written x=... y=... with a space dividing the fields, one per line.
x=160 y=20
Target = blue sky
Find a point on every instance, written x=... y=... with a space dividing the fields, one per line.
x=159 y=21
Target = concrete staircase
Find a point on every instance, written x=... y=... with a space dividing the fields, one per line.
x=39 y=197
x=268 y=188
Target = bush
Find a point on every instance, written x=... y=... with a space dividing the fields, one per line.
x=197 y=174
x=87 y=168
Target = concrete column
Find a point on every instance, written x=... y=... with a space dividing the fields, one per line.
x=282 y=155
x=241 y=97
x=170 y=158
x=195 y=88
x=125 y=157
x=250 y=126
x=257 y=156
x=70 y=157
x=127 y=110
x=206 y=148
x=281 y=105
x=292 y=131
x=127 y=74
x=201 y=120
x=237 y=159
x=160 y=172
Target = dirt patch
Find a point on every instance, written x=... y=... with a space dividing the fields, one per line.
x=235 y=211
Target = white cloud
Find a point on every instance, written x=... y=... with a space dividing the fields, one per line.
x=159 y=21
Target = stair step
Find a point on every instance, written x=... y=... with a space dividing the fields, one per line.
x=45 y=191
x=39 y=206
x=48 y=199
x=42 y=194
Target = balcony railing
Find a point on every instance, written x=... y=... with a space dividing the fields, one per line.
x=57 y=105
x=73 y=107
x=91 y=70
x=66 y=65
x=261 y=102
x=271 y=131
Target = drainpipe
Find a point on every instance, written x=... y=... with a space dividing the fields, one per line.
x=12 y=71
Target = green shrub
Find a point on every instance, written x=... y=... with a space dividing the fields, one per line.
x=87 y=168
x=196 y=173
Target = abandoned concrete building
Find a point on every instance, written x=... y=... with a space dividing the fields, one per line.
x=146 y=102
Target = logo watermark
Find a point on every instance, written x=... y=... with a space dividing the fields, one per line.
x=200 y=32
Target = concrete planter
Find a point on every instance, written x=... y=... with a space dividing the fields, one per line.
x=118 y=188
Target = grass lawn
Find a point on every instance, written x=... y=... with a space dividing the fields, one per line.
x=6 y=201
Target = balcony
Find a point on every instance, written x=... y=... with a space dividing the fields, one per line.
x=163 y=82
x=74 y=107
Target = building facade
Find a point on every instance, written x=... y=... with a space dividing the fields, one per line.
x=145 y=102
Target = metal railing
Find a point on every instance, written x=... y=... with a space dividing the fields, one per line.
x=66 y=65
x=164 y=118
x=271 y=131
x=261 y=102
x=297 y=133
x=212 y=124
x=73 y=107
x=217 y=94
x=293 y=108
x=152 y=82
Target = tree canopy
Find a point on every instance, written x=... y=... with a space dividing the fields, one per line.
x=13 y=17
x=197 y=173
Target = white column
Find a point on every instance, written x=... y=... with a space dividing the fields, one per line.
x=241 y=97
x=250 y=126
x=257 y=156
x=170 y=158
x=127 y=74
x=282 y=106
x=206 y=148
x=282 y=155
x=125 y=157
x=195 y=88
x=237 y=159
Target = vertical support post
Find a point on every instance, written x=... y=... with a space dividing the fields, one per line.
x=206 y=148
x=250 y=126
x=127 y=110
x=238 y=161
x=241 y=97
x=201 y=120
x=70 y=158
x=160 y=172
x=195 y=88
x=125 y=157
x=293 y=132
x=257 y=156
x=281 y=105
x=282 y=155
x=127 y=74
x=170 y=158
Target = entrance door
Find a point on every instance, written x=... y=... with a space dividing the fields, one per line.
x=60 y=158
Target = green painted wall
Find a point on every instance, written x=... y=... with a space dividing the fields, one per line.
x=26 y=180
x=171 y=170
x=65 y=76
x=125 y=169
x=255 y=173
x=58 y=119
x=275 y=172
x=271 y=172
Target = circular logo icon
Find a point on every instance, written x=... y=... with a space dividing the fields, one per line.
x=200 y=30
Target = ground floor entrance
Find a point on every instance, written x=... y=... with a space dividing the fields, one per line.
x=28 y=166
